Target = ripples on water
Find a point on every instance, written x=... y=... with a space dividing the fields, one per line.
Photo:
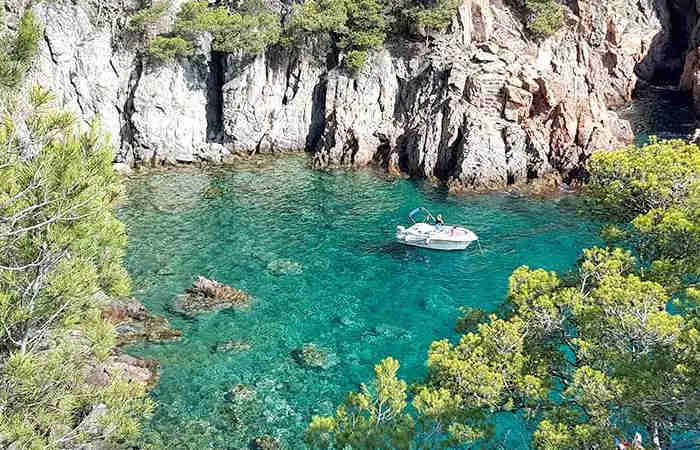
x=317 y=252
x=663 y=112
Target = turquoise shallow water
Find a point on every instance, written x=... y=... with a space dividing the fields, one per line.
x=316 y=250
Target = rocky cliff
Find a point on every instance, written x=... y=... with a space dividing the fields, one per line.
x=479 y=106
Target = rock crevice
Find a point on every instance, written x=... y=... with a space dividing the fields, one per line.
x=479 y=106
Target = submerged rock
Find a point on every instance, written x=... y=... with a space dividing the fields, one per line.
x=265 y=442
x=284 y=267
x=209 y=296
x=213 y=192
x=241 y=393
x=314 y=356
x=390 y=331
x=133 y=322
x=233 y=346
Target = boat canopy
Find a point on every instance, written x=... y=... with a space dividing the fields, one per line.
x=427 y=218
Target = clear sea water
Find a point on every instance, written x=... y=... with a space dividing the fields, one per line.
x=316 y=251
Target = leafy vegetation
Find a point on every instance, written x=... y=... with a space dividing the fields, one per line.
x=18 y=51
x=167 y=48
x=545 y=17
x=651 y=196
x=147 y=17
x=584 y=359
x=353 y=26
x=435 y=17
x=251 y=29
x=59 y=246
x=368 y=419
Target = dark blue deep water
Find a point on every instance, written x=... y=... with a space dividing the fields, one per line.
x=662 y=112
x=316 y=251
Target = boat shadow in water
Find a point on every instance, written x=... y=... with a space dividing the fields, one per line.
x=404 y=252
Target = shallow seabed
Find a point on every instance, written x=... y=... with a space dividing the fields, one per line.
x=316 y=250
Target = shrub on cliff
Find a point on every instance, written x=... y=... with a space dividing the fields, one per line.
x=352 y=26
x=545 y=17
x=148 y=17
x=18 y=50
x=167 y=48
x=586 y=358
x=435 y=17
x=250 y=29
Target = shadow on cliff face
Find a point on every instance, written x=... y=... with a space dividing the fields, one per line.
x=318 y=115
x=215 y=99
x=663 y=63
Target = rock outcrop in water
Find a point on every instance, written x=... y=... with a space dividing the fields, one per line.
x=134 y=323
x=480 y=106
x=208 y=296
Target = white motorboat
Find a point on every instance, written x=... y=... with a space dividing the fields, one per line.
x=429 y=233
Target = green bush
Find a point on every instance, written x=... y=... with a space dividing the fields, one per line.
x=18 y=51
x=167 y=48
x=356 y=59
x=251 y=31
x=545 y=17
x=353 y=26
x=149 y=16
x=60 y=245
x=436 y=17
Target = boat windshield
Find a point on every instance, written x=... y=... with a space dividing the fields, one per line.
x=419 y=212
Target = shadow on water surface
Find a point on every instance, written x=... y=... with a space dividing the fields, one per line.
x=659 y=111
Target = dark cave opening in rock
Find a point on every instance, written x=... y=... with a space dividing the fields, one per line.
x=663 y=64
x=682 y=22
x=215 y=100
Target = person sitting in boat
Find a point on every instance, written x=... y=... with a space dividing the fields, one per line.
x=439 y=222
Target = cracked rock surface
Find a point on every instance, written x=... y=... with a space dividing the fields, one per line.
x=480 y=106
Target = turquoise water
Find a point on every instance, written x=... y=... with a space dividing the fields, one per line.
x=316 y=251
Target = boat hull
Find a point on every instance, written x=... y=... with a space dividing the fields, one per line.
x=434 y=237
x=437 y=245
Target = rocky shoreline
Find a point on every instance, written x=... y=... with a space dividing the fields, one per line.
x=133 y=322
x=482 y=106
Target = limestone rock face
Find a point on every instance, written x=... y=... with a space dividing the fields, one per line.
x=79 y=64
x=271 y=102
x=485 y=106
x=690 y=79
x=479 y=106
x=169 y=109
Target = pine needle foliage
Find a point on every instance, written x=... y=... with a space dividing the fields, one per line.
x=60 y=245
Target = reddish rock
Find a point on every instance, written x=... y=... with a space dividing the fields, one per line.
x=133 y=322
x=690 y=79
x=208 y=296
x=141 y=370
